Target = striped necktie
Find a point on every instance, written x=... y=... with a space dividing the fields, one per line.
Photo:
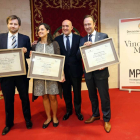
x=14 y=42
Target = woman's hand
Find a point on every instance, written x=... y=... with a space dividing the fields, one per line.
x=62 y=79
x=101 y=68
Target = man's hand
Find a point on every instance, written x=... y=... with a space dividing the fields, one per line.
x=24 y=49
x=88 y=43
x=35 y=42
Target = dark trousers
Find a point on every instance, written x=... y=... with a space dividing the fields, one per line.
x=8 y=85
x=74 y=82
x=102 y=85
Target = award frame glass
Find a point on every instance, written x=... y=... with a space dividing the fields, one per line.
x=12 y=62
x=44 y=58
x=97 y=53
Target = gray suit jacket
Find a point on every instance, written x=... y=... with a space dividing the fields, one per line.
x=98 y=74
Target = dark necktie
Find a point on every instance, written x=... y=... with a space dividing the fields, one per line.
x=68 y=44
x=14 y=43
x=90 y=39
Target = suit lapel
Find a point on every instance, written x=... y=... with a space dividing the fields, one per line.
x=5 y=40
x=97 y=37
x=86 y=38
x=73 y=42
x=62 y=45
x=20 y=41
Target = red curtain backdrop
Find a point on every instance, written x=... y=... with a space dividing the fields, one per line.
x=53 y=12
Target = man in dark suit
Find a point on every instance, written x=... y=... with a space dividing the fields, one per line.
x=97 y=79
x=12 y=40
x=69 y=45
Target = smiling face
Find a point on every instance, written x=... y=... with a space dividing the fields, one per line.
x=67 y=27
x=89 y=25
x=42 y=31
x=13 y=26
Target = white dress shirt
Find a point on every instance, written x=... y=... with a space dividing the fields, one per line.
x=9 y=41
x=65 y=39
x=93 y=36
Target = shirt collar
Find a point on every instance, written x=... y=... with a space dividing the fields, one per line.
x=10 y=34
x=70 y=35
x=93 y=33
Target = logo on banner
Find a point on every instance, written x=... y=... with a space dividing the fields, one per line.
x=134 y=75
x=134 y=31
x=132 y=44
x=134 y=72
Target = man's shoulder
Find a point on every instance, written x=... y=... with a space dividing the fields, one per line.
x=58 y=37
x=83 y=38
x=3 y=34
x=102 y=34
x=23 y=36
x=76 y=35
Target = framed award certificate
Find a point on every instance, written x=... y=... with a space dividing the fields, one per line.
x=12 y=62
x=99 y=55
x=46 y=66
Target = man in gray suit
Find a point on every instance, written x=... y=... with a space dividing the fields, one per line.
x=97 y=79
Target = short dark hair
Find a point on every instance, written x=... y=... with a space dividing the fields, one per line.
x=14 y=17
x=87 y=16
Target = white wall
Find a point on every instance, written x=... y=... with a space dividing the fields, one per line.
x=111 y=12
x=21 y=8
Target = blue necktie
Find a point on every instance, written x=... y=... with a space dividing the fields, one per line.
x=14 y=43
x=90 y=39
x=68 y=44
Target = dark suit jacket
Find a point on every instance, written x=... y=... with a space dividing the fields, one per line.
x=23 y=41
x=98 y=74
x=72 y=63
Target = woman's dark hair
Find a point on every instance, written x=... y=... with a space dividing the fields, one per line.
x=49 y=37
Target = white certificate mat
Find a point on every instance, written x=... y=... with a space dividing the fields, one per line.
x=99 y=55
x=12 y=62
x=46 y=66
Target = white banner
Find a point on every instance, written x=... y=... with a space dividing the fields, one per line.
x=129 y=50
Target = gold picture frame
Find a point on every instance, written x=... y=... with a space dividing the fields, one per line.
x=12 y=62
x=99 y=55
x=46 y=66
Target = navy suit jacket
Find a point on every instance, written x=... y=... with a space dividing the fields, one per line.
x=98 y=74
x=72 y=63
x=23 y=41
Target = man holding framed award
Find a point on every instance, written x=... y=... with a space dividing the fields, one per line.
x=98 y=78
x=14 y=42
